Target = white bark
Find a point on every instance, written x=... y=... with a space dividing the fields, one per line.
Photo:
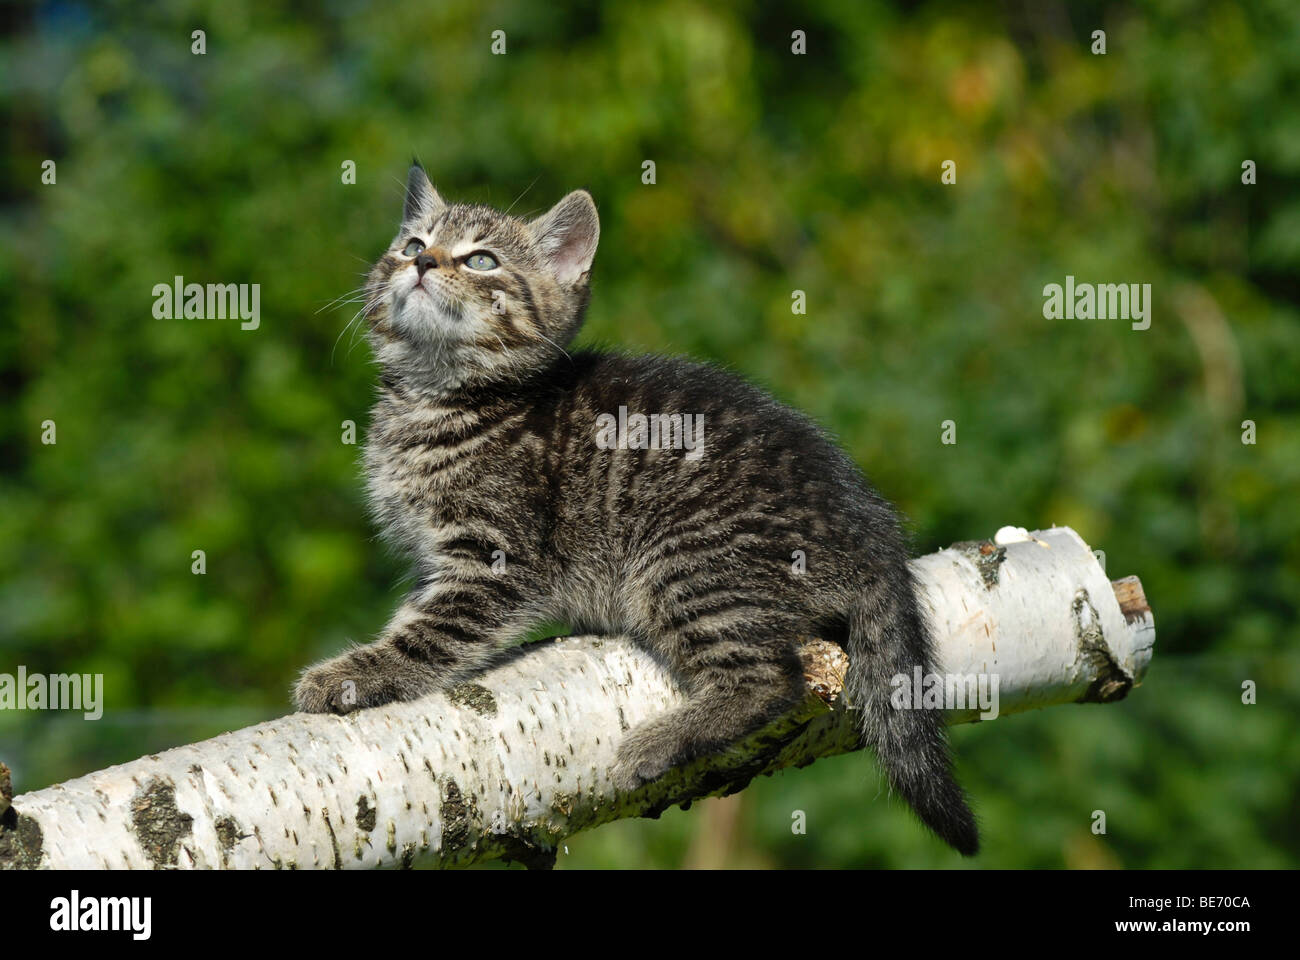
x=516 y=762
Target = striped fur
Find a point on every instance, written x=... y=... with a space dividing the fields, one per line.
x=484 y=466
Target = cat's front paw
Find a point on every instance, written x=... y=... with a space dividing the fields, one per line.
x=645 y=754
x=360 y=679
x=325 y=688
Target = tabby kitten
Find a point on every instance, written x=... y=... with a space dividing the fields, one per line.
x=489 y=437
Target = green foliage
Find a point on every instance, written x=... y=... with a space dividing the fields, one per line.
x=775 y=172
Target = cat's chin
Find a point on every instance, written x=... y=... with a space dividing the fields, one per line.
x=430 y=319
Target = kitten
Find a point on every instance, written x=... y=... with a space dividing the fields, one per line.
x=489 y=437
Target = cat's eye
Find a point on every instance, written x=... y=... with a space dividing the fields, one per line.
x=481 y=261
x=413 y=248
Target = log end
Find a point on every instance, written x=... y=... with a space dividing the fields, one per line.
x=1132 y=599
x=1141 y=623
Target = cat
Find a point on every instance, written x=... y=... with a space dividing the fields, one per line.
x=484 y=446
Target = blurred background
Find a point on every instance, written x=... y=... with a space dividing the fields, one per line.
x=775 y=172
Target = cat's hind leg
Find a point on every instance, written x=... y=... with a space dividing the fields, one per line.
x=740 y=669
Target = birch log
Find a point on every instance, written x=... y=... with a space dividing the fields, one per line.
x=511 y=765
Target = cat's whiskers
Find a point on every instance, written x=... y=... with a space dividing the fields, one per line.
x=350 y=297
x=554 y=344
x=521 y=196
x=355 y=324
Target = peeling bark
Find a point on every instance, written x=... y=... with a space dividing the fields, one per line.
x=512 y=764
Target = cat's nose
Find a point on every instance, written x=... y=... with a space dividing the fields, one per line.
x=428 y=260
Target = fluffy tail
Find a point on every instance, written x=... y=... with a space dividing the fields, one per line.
x=888 y=636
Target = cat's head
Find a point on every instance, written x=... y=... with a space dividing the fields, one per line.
x=467 y=295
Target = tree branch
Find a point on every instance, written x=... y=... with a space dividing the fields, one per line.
x=512 y=764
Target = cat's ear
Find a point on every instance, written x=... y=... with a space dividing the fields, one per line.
x=568 y=234
x=422 y=201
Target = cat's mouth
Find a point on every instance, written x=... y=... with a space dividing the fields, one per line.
x=428 y=308
x=435 y=292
